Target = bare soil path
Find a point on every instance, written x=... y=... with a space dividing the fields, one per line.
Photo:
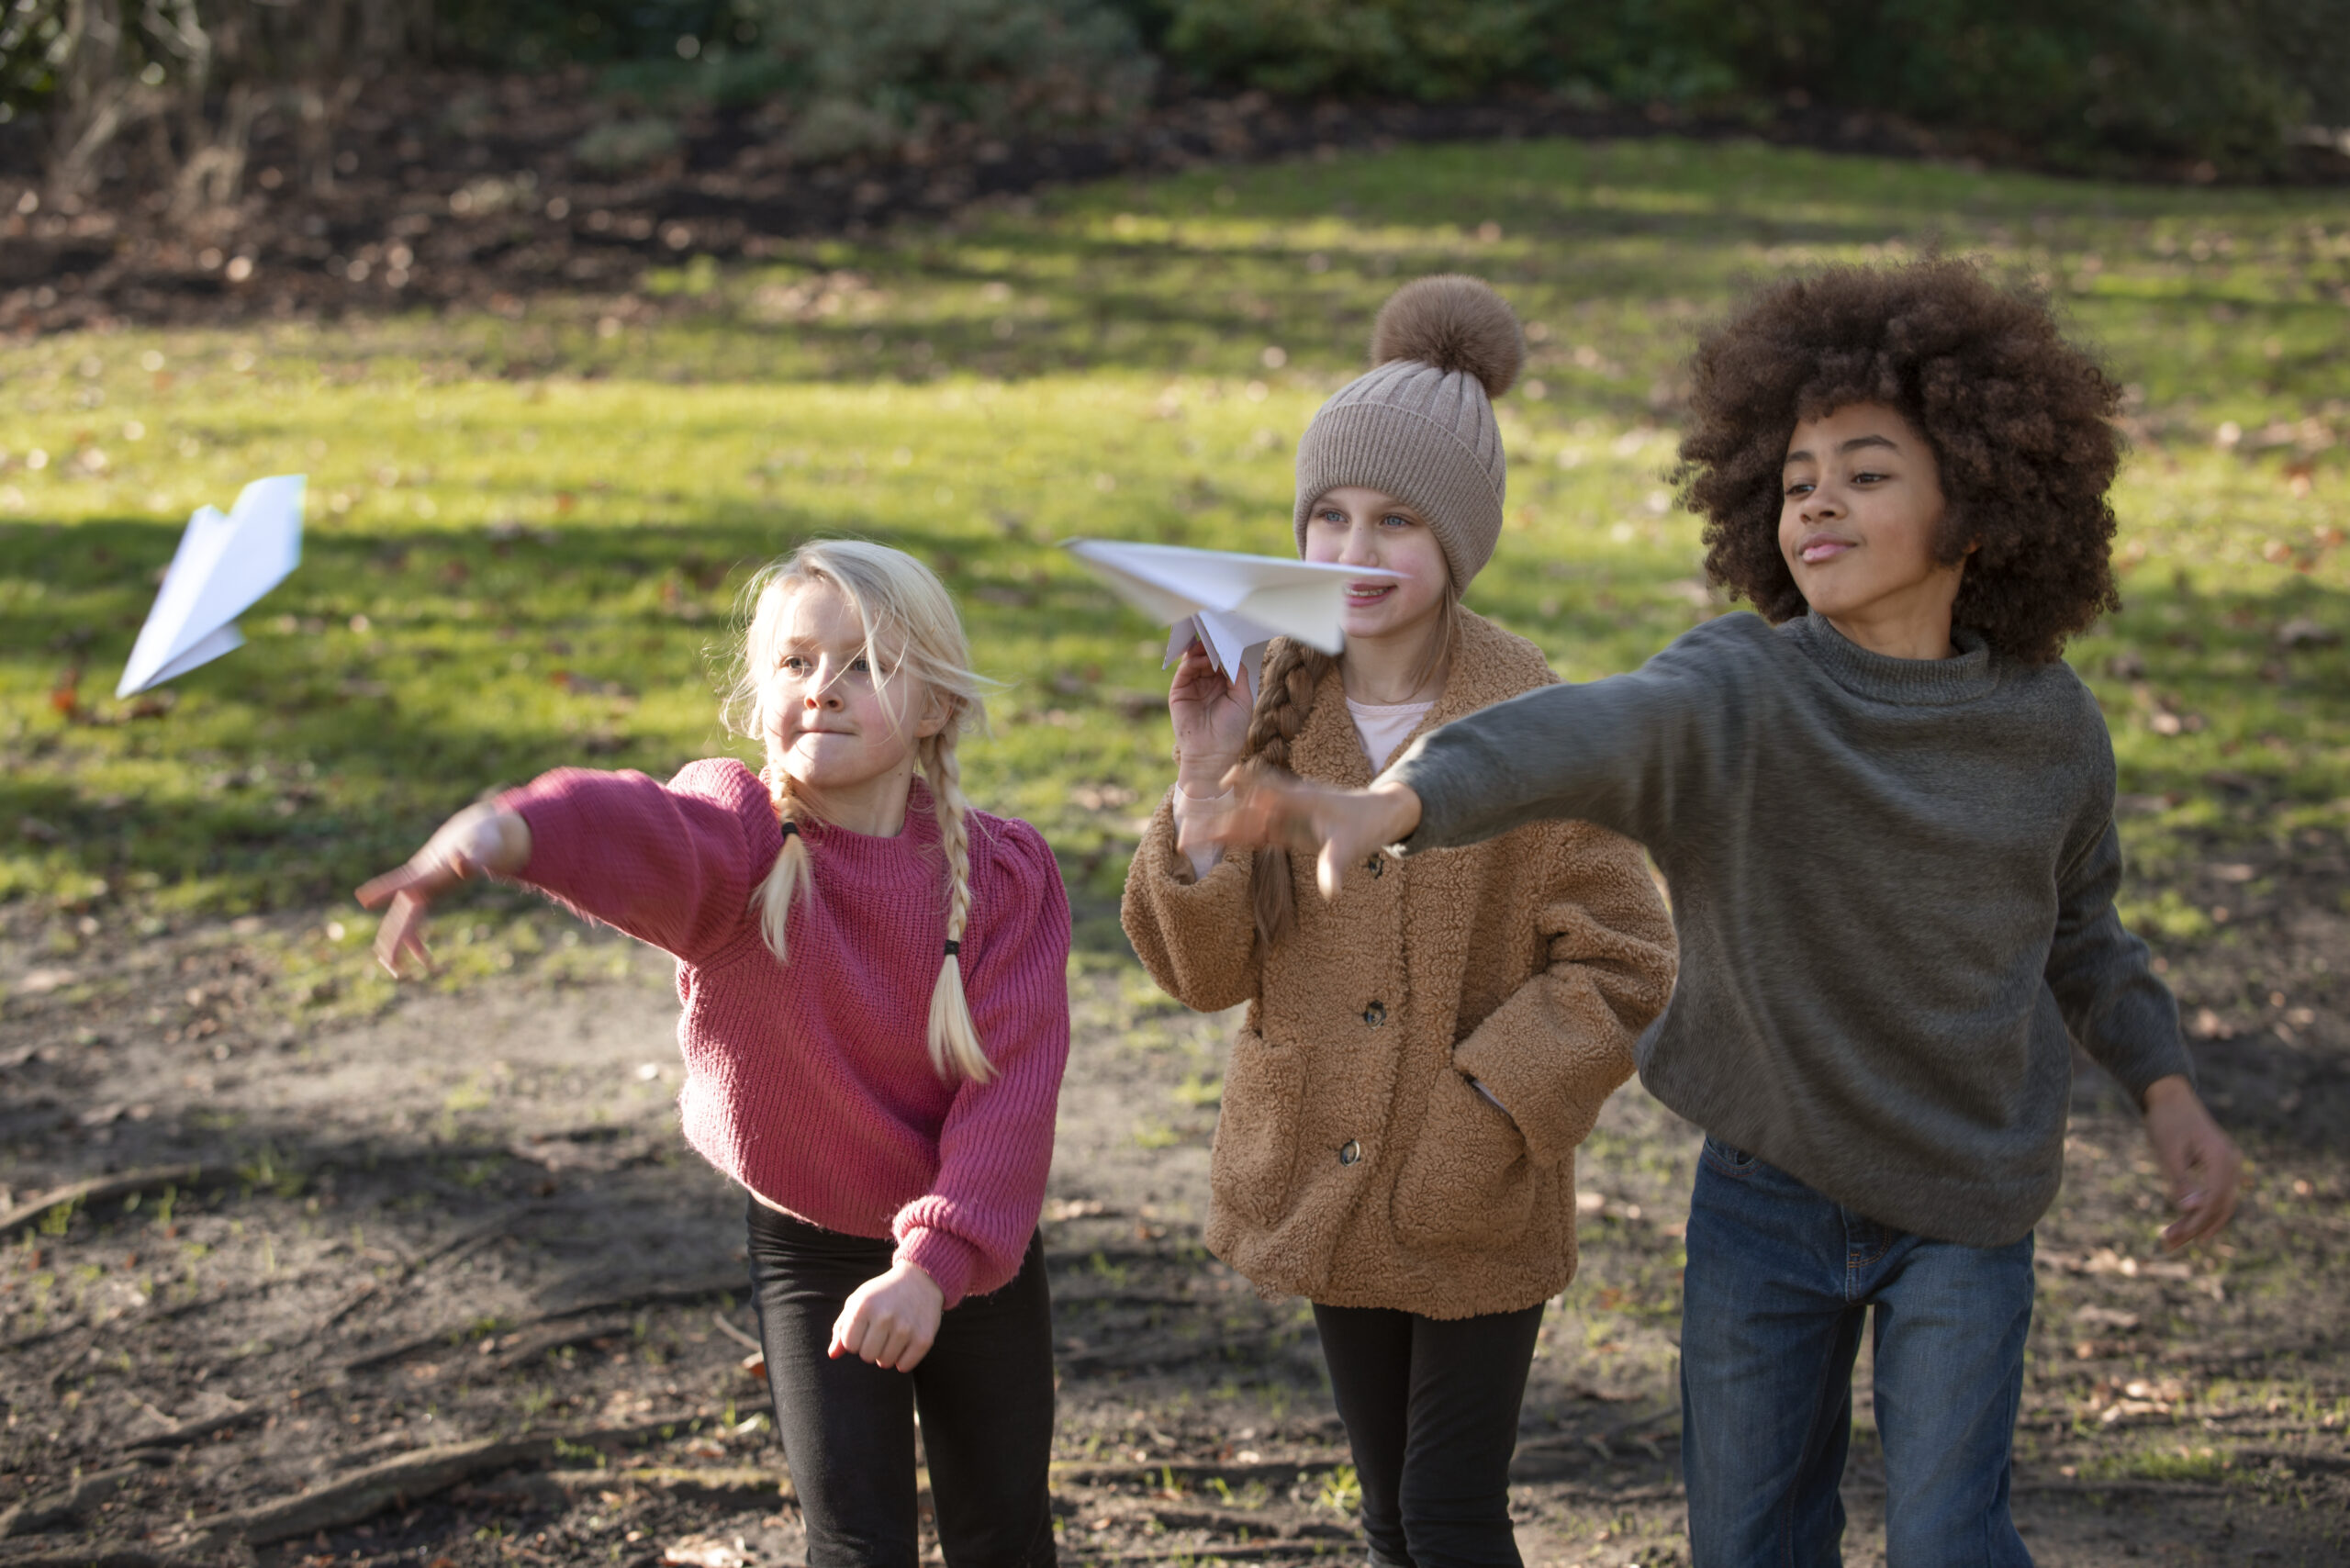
x=442 y=1287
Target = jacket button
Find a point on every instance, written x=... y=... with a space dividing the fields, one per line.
x=1376 y=864
x=1375 y=1014
x=1350 y=1151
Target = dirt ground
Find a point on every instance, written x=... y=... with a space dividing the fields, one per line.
x=440 y=1286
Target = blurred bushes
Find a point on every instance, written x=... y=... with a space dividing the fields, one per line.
x=845 y=75
x=2072 y=80
x=625 y=146
x=171 y=89
x=2078 y=82
x=530 y=35
x=867 y=74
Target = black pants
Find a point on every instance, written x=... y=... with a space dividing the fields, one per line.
x=1431 y=1412
x=985 y=1391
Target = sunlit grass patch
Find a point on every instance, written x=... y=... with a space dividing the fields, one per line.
x=2185 y=1461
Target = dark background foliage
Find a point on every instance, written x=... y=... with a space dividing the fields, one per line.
x=2229 y=79
x=2226 y=86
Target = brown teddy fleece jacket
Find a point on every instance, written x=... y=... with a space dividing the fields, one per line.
x=1355 y=1163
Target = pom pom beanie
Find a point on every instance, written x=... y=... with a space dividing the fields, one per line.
x=1419 y=424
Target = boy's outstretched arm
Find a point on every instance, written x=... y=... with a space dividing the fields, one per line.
x=1339 y=826
x=1632 y=753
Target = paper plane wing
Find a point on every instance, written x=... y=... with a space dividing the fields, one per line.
x=1257 y=597
x=1236 y=646
x=225 y=640
x=224 y=563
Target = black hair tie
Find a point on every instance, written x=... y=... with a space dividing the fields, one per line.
x=953 y=947
x=789 y=827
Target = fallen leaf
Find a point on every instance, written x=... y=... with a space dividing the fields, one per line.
x=2301 y=632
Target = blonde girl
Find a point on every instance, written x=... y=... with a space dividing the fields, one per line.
x=876 y=1020
x=1421 y=1057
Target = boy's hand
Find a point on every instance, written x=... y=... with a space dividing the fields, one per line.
x=480 y=839
x=890 y=1320
x=1341 y=825
x=1210 y=718
x=2199 y=1163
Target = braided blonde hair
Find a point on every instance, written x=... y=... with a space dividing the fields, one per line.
x=905 y=609
x=1293 y=674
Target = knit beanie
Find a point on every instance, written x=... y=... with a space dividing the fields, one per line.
x=1419 y=424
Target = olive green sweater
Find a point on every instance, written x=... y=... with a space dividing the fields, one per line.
x=1893 y=881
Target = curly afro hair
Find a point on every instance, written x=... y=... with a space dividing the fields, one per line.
x=2020 y=422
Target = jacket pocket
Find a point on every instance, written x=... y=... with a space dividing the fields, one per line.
x=1256 y=1130
x=1468 y=1182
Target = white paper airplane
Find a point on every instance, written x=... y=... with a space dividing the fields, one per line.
x=1231 y=604
x=224 y=563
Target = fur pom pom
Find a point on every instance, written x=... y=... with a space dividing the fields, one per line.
x=1454 y=323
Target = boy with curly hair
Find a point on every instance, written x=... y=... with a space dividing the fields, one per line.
x=1886 y=809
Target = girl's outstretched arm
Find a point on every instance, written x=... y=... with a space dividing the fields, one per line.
x=481 y=840
x=671 y=865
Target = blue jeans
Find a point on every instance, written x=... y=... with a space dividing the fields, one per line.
x=1779 y=1279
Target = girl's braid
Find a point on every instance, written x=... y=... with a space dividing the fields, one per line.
x=955 y=1045
x=1292 y=673
x=789 y=873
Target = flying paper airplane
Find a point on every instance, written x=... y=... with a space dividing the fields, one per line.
x=224 y=563
x=1231 y=604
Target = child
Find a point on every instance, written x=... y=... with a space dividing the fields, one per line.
x=861 y=1088
x=1401 y=1108
x=1886 y=816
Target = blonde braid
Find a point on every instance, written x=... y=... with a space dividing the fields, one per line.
x=955 y=1049
x=1292 y=673
x=789 y=876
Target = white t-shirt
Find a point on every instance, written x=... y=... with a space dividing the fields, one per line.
x=1380 y=727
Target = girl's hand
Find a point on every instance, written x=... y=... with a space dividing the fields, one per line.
x=1211 y=716
x=2199 y=1163
x=892 y=1320
x=1342 y=826
x=480 y=839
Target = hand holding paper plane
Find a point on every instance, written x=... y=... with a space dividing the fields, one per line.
x=224 y=564
x=1233 y=604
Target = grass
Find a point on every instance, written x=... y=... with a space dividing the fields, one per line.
x=526 y=530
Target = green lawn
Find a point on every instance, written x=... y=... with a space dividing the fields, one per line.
x=526 y=529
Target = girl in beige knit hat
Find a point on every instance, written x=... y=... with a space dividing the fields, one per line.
x=1421 y=1057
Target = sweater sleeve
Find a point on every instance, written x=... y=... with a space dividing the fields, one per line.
x=1631 y=753
x=2103 y=978
x=1553 y=1051
x=1198 y=938
x=669 y=864
x=971 y=1229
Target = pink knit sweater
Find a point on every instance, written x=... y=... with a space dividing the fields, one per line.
x=811 y=1082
